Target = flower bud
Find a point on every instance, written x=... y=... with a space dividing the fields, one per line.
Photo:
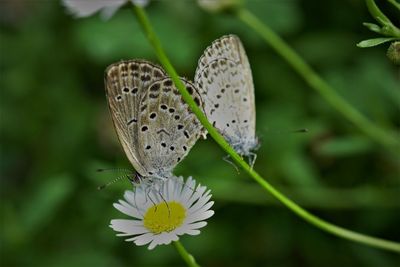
x=393 y=53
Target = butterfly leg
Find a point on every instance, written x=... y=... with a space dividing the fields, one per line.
x=165 y=201
x=226 y=159
x=252 y=159
x=152 y=201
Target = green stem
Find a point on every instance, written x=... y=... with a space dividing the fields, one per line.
x=376 y=12
x=395 y=4
x=317 y=83
x=326 y=226
x=190 y=261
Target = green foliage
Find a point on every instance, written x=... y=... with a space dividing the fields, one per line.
x=386 y=27
x=56 y=131
x=374 y=42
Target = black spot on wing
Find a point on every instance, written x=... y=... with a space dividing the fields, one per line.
x=131 y=121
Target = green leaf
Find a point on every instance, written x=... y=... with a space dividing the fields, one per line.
x=374 y=42
x=373 y=27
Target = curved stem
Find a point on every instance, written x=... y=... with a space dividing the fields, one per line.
x=376 y=12
x=395 y=4
x=316 y=82
x=312 y=219
x=190 y=261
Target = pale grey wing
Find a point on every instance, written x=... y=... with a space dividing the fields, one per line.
x=228 y=47
x=224 y=69
x=227 y=103
x=125 y=83
x=167 y=127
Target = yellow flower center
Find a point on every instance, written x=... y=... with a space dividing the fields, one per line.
x=164 y=217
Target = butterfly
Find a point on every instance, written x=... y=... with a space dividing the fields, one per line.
x=154 y=125
x=223 y=77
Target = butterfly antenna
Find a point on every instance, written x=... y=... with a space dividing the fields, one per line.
x=113 y=169
x=303 y=130
x=113 y=181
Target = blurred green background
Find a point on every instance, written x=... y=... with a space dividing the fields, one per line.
x=56 y=131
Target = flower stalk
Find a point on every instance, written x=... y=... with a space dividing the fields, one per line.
x=188 y=258
x=304 y=214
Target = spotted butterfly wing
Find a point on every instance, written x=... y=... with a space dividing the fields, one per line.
x=224 y=79
x=167 y=127
x=142 y=125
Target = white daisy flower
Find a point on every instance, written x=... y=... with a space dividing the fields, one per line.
x=218 y=5
x=163 y=212
x=107 y=8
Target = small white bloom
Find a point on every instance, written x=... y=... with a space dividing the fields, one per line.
x=218 y=5
x=163 y=212
x=85 y=8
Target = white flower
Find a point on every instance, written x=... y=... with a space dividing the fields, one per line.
x=163 y=212
x=85 y=8
x=218 y=5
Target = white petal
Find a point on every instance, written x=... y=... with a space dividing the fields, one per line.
x=193 y=232
x=85 y=8
x=200 y=217
x=153 y=244
x=202 y=209
x=130 y=227
x=205 y=209
x=188 y=190
x=141 y=3
x=171 y=189
x=197 y=225
x=182 y=229
x=107 y=12
x=144 y=239
x=135 y=198
x=172 y=236
x=166 y=238
x=197 y=194
x=163 y=238
x=128 y=210
x=200 y=203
